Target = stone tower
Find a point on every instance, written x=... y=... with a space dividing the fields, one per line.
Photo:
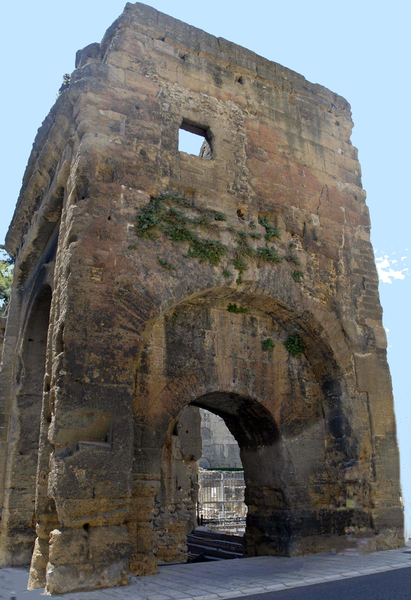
x=146 y=280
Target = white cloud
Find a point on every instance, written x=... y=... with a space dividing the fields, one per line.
x=385 y=269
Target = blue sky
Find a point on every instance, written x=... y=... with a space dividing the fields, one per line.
x=357 y=48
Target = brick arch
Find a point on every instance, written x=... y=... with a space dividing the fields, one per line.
x=327 y=350
x=288 y=434
x=272 y=295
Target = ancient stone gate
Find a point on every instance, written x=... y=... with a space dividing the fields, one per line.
x=148 y=280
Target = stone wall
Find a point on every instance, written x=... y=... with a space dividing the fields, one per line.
x=174 y=515
x=3 y=321
x=244 y=284
x=219 y=448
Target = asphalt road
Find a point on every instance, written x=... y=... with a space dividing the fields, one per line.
x=390 y=585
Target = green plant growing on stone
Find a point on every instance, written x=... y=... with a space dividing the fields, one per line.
x=243 y=249
x=215 y=214
x=174 y=217
x=149 y=218
x=161 y=214
x=65 y=85
x=207 y=250
x=297 y=276
x=270 y=231
x=180 y=233
x=267 y=344
x=252 y=225
x=295 y=345
x=226 y=273
x=239 y=280
x=239 y=263
x=268 y=255
x=165 y=264
x=238 y=310
x=201 y=221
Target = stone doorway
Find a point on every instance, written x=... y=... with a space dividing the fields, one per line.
x=18 y=531
x=221 y=483
x=183 y=510
x=175 y=512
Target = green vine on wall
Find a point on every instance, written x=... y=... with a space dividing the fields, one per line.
x=163 y=214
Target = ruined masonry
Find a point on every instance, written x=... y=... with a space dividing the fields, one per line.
x=148 y=280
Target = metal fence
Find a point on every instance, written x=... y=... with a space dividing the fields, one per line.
x=221 y=500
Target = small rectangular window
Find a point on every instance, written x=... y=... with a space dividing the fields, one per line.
x=195 y=140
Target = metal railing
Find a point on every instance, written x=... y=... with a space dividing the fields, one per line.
x=221 y=500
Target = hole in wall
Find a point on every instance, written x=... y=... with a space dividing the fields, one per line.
x=195 y=139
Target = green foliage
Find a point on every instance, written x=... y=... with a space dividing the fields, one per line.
x=180 y=233
x=207 y=250
x=174 y=217
x=148 y=218
x=239 y=280
x=165 y=264
x=161 y=213
x=65 y=85
x=238 y=310
x=297 y=276
x=239 y=263
x=6 y=277
x=268 y=255
x=202 y=221
x=270 y=231
x=267 y=344
x=295 y=345
x=242 y=237
x=215 y=214
x=243 y=249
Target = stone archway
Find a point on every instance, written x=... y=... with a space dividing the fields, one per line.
x=18 y=532
x=308 y=476
x=263 y=460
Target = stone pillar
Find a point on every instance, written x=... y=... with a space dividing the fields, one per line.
x=17 y=529
x=176 y=501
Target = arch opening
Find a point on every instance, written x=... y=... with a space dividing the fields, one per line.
x=18 y=533
x=258 y=468
x=289 y=414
